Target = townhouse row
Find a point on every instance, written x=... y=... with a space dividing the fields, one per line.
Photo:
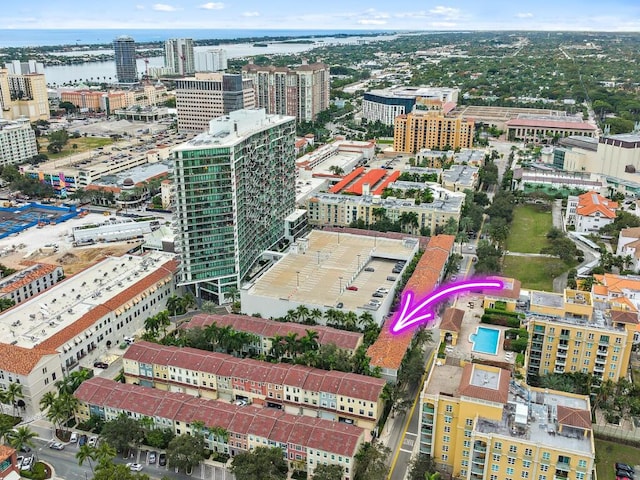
x=266 y=330
x=304 y=440
x=296 y=389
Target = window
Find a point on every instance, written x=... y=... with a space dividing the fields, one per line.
x=448 y=409
x=511 y=460
x=446 y=438
x=447 y=429
x=469 y=422
x=495 y=468
x=528 y=452
x=542 y=477
x=546 y=456
x=447 y=419
x=582 y=464
x=444 y=458
x=513 y=449
x=445 y=448
x=497 y=445
x=509 y=471
x=526 y=464
x=524 y=474
x=496 y=457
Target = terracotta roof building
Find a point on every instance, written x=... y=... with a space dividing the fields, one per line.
x=450 y=325
x=514 y=421
x=306 y=440
x=539 y=128
x=589 y=212
x=30 y=281
x=72 y=323
x=296 y=389
x=9 y=469
x=268 y=329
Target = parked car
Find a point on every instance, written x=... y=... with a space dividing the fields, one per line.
x=377 y=295
x=624 y=474
x=26 y=463
x=74 y=437
x=82 y=440
x=383 y=290
x=240 y=402
x=162 y=459
x=100 y=365
x=340 y=305
x=151 y=458
x=134 y=467
x=391 y=278
x=19 y=461
x=369 y=269
x=93 y=441
x=624 y=466
x=373 y=301
x=56 y=446
x=353 y=288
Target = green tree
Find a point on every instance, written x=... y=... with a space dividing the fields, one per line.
x=123 y=433
x=21 y=437
x=186 y=451
x=86 y=454
x=371 y=462
x=328 y=472
x=114 y=471
x=261 y=464
x=421 y=466
x=13 y=394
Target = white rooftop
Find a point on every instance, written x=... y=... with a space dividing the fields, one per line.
x=40 y=317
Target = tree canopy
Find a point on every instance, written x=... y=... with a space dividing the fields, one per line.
x=261 y=464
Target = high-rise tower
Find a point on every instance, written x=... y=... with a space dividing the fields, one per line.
x=235 y=185
x=178 y=55
x=125 y=54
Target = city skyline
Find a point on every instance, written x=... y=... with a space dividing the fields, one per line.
x=620 y=15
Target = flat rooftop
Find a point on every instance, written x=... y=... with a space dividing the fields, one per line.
x=35 y=320
x=444 y=379
x=547 y=299
x=327 y=263
x=138 y=174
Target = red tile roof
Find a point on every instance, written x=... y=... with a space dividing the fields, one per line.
x=272 y=424
x=452 y=320
x=511 y=289
x=388 y=350
x=591 y=202
x=346 y=180
x=42 y=270
x=385 y=183
x=574 y=417
x=619 y=316
x=372 y=177
x=296 y=376
x=270 y=328
x=497 y=395
x=20 y=360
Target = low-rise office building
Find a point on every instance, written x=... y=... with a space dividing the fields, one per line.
x=476 y=423
x=304 y=440
x=17 y=142
x=296 y=389
x=73 y=322
x=537 y=129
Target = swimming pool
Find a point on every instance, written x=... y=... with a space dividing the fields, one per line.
x=485 y=340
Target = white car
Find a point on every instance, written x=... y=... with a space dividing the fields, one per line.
x=26 y=463
x=134 y=467
x=93 y=441
x=383 y=290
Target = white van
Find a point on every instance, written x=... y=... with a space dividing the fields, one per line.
x=74 y=437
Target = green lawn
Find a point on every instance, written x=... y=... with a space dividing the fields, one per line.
x=536 y=273
x=529 y=229
x=608 y=453
x=84 y=144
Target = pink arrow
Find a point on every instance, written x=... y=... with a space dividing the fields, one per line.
x=423 y=314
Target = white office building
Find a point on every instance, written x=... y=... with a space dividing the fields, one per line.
x=213 y=60
x=17 y=142
x=178 y=55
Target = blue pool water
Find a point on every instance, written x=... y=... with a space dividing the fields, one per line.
x=485 y=340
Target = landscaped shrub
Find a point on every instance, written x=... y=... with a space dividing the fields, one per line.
x=501 y=320
x=37 y=472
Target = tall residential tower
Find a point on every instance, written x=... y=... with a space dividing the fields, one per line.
x=178 y=55
x=124 y=48
x=235 y=185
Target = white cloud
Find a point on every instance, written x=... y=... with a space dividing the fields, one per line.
x=139 y=7
x=446 y=12
x=251 y=14
x=524 y=15
x=163 y=7
x=372 y=21
x=212 y=6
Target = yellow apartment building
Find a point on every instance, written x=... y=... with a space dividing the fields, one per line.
x=567 y=335
x=505 y=299
x=428 y=126
x=478 y=424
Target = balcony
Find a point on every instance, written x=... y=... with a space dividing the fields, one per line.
x=479 y=459
x=598 y=368
x=477 y=470
x=563 y=467
x=428 y=410
x=558 y=369
x=564 y=336
x=479 y=448
x=560 y=362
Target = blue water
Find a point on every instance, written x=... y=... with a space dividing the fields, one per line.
x=485 y=340
x=28 y=38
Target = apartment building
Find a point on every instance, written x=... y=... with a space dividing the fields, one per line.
x=178 y=56
x=327 y=209
x=30 y=281
x=296 y=389
x=213 y=60
x=302 y=91
x=387 y=104
x=303 y=440
x=629 y=245
x=206 y=96
x=430 y=126
x=570 y=332
x=124 y=48
x=235 y=185
x=17 y=142
x=23 y=96
x=589 y=212
x=16 y=67
x=459 y=178
x=109 y=102
x=266 y=330
x=476 y=424
x=73 y=322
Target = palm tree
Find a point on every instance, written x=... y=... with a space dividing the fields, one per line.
x=56 y=413
x=47 y=400
x=87 y=453
x=3 y=400
x=309 y=342
x=232 y=294
x=21 y=437
x=174 y=305
x=315 y=315
x=152 y=325
x=105 y=453
x=79 y=376
x=302 y=312
x=13 y=393
x=292 y=344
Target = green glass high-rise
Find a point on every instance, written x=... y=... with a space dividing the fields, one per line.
x=235 y=184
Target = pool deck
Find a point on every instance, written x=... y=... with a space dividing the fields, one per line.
x=470 y=323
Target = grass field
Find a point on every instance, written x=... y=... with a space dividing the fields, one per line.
x=84 y=144
x=529 y=229
x=536 y=273
x=608 y=453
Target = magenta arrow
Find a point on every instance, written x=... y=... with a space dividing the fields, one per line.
x=422 y=312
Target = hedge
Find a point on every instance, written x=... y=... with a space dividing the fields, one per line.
x=504 y=321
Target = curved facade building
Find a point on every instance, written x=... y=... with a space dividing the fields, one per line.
x=124 y=48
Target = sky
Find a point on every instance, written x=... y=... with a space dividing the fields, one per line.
x=601 y=15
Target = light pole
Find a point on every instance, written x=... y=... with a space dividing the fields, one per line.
x=340 y=284
x=358 y=261
x=297 y=278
